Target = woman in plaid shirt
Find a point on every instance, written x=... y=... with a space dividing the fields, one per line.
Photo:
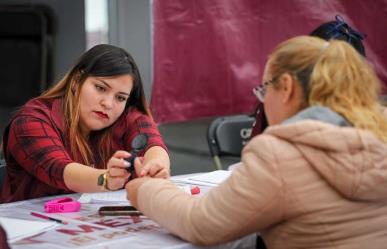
x=75 y=136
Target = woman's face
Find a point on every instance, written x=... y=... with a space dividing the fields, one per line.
x=272 y=103
x=282 y=101
x=102 y=101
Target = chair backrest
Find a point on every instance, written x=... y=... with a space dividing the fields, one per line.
x=227 y=135
x=26 y=61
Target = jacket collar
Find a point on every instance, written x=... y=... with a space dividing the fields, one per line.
x=320 y=113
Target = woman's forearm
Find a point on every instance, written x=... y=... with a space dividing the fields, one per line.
x=81 y=178
x=157 y=152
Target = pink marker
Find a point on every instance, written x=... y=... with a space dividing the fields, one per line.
x=62 y=205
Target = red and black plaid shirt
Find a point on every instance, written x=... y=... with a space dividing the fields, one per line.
x=36 y=148
x=3 y=239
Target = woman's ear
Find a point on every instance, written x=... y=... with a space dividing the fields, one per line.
x=288 y=87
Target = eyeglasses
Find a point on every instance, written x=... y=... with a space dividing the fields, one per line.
x=260 y=90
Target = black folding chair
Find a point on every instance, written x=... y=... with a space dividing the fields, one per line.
x=227 y=135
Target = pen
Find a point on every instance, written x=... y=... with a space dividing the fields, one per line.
x=48 y=218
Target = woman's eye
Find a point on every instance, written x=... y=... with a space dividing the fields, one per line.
x=100 y=88
x=121 y=98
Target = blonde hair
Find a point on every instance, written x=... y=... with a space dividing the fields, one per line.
x=334 y=75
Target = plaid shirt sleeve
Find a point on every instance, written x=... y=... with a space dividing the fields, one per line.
x=3 y=239
x=38 y=148
x=144 y=124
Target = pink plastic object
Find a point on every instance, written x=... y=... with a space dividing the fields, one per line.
x=62 y=205
x=195 y=190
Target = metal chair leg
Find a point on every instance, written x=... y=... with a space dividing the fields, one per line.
x=218 y=164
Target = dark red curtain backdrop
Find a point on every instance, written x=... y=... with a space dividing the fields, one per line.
x=209 y=54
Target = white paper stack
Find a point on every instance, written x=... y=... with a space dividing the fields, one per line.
x=17 y=229
x=112 y=196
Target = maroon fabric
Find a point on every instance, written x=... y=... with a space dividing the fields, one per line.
x=209 y=54
x=260 y=122
x=36 y=149
x=3 y=239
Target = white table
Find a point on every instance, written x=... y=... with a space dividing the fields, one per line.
x=86 y=229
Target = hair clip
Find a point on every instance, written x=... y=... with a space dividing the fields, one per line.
x=62 y=205
x=343 y=27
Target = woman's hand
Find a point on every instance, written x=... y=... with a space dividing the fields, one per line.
x=132 y=189
x=155 y=163
x=153 y=168
x=117 y=174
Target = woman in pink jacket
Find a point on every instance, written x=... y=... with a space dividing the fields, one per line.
x=337 y=30
x=316 y=178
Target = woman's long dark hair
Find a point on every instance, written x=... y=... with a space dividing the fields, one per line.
x=100 y=61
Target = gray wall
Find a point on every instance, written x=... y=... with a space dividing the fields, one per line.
x=130 y=28
x=71 y=36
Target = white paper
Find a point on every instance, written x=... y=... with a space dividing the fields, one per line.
x=234 y=166
x=17 y=229
x=113 y=196
x=212 y=179
x=110 y=196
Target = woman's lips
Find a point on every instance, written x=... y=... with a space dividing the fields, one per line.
x=102 y=115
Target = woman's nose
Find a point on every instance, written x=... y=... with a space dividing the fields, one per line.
x=107 y=102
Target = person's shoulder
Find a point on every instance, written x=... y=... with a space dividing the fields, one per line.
x=37 y=108
x=293 y=131
x=34 y=110
x=129 y=118
x=281 y=137
x=132 y=111
x=263 y=143
x=133 y=115
x=38 y=104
